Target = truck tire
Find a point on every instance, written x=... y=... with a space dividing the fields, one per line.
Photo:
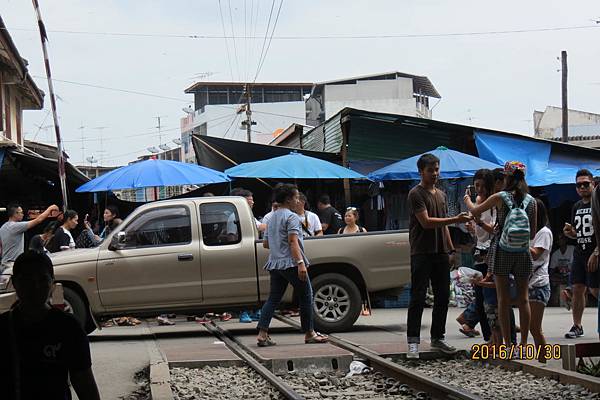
x=76 y=306
x=337 y=302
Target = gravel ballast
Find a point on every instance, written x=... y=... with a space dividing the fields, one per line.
x=493 y=382
x=331 y=386
x=220 y=383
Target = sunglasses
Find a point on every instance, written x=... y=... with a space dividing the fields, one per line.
x=351 y=209
x=584 y=185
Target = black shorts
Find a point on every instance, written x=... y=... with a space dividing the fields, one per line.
x=579 y=273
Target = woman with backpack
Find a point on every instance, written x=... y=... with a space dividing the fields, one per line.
x=510 y=248
x=539 y=283
x=351 y=219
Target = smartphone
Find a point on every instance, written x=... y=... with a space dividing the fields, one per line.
x=86 y=217
x=473 y=193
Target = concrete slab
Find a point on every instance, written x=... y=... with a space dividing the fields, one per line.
x=195 y=349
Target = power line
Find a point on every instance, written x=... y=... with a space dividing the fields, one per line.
x=226 y=43
x=262 y=50
x=270 y=39
x=323 y=37
x=237 y=62
x=114 y=89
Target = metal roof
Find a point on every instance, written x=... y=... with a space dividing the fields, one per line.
x=421 y=84
x=237 y=85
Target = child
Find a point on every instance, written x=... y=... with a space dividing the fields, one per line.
x=490 y=302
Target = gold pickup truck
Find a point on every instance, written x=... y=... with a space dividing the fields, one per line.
x=204 y=254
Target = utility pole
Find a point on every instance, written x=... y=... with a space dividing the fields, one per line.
x=158 y=117
x=565 y=107
x=248 y=113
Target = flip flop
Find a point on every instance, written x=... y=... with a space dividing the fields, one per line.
x=265 y=342
x=316 y=339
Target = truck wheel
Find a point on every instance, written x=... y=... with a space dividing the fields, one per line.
x=74 y=305
x=337 y=302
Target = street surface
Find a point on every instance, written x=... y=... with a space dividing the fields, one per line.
x=116 y=361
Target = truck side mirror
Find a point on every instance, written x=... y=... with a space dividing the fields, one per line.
x=118 y=241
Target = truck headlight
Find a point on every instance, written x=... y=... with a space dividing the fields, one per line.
x=5 y=284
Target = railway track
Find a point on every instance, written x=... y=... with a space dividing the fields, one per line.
x=388 y=380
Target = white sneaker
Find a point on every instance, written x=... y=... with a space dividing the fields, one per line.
x=413 y=351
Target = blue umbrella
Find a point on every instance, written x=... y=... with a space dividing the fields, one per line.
x=151 y=173
x=292 y=166
x=453 y=164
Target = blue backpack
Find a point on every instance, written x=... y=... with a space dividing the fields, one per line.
x=516 y=232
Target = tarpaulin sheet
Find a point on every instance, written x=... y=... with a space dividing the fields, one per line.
x=544 y=167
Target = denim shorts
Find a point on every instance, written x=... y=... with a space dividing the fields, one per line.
x=540 y=294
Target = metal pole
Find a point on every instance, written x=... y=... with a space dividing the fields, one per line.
x=565 y=107
x=248 y=115
x=59 y=146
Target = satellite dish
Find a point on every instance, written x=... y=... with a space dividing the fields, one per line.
x=153 y=150
x=188 y=110
x=91 y=160
x=164 y=147
x=177 y=141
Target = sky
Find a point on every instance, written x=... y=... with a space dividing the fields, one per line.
x=487 y=80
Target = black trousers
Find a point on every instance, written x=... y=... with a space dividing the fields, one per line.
x=425 y=268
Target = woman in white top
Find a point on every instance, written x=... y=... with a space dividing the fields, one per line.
x=539 y=282
x=63 y=239
x=311 y=225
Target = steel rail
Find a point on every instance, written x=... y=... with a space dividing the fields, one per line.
x=248 y=356
x=432 y=386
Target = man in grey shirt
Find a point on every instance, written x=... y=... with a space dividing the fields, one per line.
x=12 y=233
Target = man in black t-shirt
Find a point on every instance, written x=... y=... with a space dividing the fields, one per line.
x=43 y=346
x=331 y=219
x=581 y=228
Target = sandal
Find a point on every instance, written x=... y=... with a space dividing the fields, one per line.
x=467 y=333
x=265 y=342
x=316 y=339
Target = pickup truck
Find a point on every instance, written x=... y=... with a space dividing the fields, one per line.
x=179 y=256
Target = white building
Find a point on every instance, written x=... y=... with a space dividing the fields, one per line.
x=217 y=111
x=390 y=92
x=584 y=127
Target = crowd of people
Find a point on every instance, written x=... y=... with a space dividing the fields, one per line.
x=512 y=257
x=512 y=252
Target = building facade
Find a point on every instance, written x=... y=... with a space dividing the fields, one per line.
x=391 y=92
x=18 y=91
x=584 y=127
x=219 y=111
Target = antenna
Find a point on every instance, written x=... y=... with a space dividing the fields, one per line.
x=158 y=117
x=81 y=128
x=101 y=152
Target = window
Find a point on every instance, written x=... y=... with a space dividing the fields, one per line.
x=160 y=227
x=220 y=224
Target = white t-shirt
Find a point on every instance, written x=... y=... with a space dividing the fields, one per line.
x=544 y=240
x=561 y=260
x=483 y=237
x=314 y=224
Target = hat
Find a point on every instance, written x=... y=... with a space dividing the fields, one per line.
x=511 y=166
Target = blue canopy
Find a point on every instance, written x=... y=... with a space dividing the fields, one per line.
x=292 y=166
x=543 y=167
x=453 y=164
x=151 y=173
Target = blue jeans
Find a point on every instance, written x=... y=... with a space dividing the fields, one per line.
x=279 y=282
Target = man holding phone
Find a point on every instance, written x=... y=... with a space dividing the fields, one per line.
x=584 y=270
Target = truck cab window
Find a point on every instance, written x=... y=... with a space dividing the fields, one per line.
x=220 y=224
x=160 y=227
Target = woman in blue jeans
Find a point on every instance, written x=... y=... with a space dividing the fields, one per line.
x=287 y=264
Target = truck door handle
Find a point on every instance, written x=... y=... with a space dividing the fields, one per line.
x=185 y=257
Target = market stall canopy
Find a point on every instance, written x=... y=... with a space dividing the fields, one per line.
x=453 y=164
x=220 y=154
x=545 y=166
x=152 y=173
x=293 y=166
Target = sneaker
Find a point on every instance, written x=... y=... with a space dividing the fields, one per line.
x=441 y=345
x=575 y=332
x=255 y=316
x=245 y=318
x=413 y=351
